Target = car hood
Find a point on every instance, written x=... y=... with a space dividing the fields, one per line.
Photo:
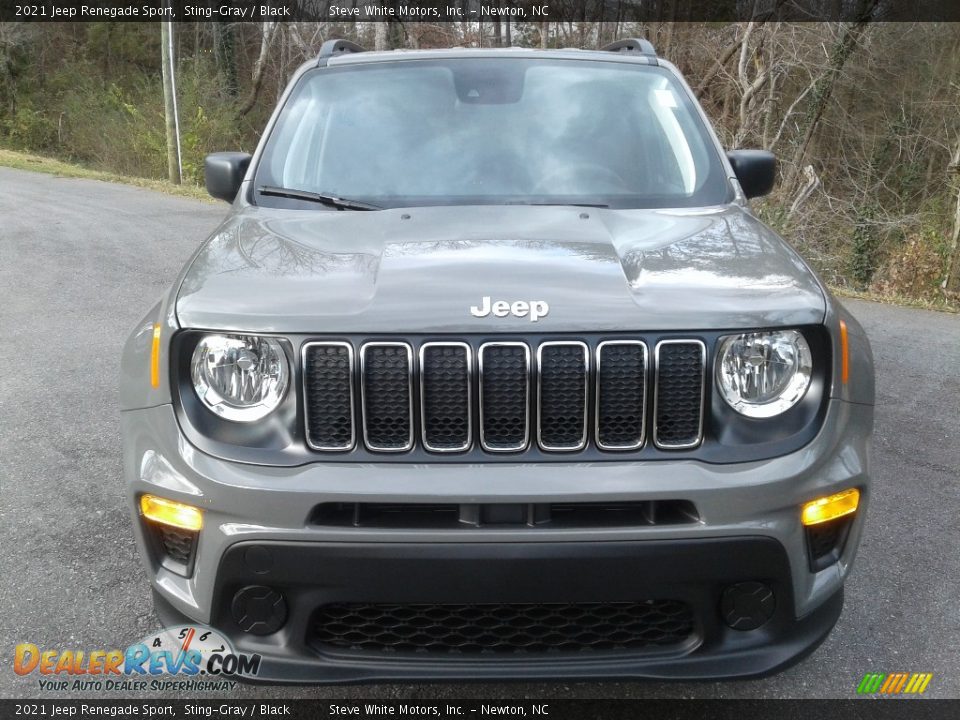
x=422 y=269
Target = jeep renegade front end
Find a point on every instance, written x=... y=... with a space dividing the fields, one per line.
x=491 y=372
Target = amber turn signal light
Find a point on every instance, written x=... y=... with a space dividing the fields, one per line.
x=830 y=507
x=844 y=353
x=155 y=357
x=170 y=512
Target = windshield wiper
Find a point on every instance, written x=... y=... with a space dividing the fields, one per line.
x=562 y=204
x=331 y=200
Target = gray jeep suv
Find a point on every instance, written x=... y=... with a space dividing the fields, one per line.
x=490 y=372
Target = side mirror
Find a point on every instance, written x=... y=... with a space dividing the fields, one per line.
x=755 y=169
x=223 y=172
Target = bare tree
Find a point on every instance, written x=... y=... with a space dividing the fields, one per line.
x=266 y=38
x=823 y=86
x=951 y=282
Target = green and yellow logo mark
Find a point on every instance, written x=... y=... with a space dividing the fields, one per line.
x=894 y=683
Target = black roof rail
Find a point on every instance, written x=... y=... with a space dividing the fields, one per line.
x=337 y=47
x=631 y=45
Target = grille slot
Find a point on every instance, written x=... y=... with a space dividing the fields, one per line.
x=445 y=408
x=328 y=395
x=504 y=396
x=386 y=376
x=678 y=398
x=502 y=628
x=621 y=394
x=563 y=368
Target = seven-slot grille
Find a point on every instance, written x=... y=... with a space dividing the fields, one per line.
x=504 y=396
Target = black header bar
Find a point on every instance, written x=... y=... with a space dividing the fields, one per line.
x=435 y=11
x=452 y=709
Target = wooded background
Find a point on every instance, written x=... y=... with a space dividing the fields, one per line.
x=865 y=117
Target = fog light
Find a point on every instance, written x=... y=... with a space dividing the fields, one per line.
x=170 y=512
x=830 y=507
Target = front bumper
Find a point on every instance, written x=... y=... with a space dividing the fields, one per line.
x=694 y=572
x=749 y=530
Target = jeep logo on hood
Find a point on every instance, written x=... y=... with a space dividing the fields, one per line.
x=536 y=309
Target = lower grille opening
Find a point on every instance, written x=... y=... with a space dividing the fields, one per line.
x=386 y=515
x=452 y=516
x=623 y=514
x=825 y=541
x=502 y=628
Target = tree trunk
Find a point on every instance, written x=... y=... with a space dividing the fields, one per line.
x=225 y=54
x=396 y=32
x=380 y=36
x=173 y=165
x=266 y=38
x=666 y=44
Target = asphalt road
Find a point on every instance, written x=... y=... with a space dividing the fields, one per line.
x=81 y=262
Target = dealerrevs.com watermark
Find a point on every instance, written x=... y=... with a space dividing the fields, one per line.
x=184 y=658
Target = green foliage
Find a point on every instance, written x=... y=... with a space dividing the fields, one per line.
x=915 y=267
x=865 y=251
x=772 y=213
x=30 y=128
x=123 y=44
x=115 y=122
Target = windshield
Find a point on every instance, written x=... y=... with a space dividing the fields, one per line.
x=493 y=131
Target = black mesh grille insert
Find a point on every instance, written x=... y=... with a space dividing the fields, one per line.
x=621 y=395
x=825 y=541
x=445 y=382
x=563 y=396
x=328 y=396
x=174 y=548
x=679 y=393
x=177 y=544
x=504 y=390
x=386 y=396
x=503 y=628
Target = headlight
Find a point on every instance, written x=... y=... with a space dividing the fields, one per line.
x=763 y=374
x=239 y=377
